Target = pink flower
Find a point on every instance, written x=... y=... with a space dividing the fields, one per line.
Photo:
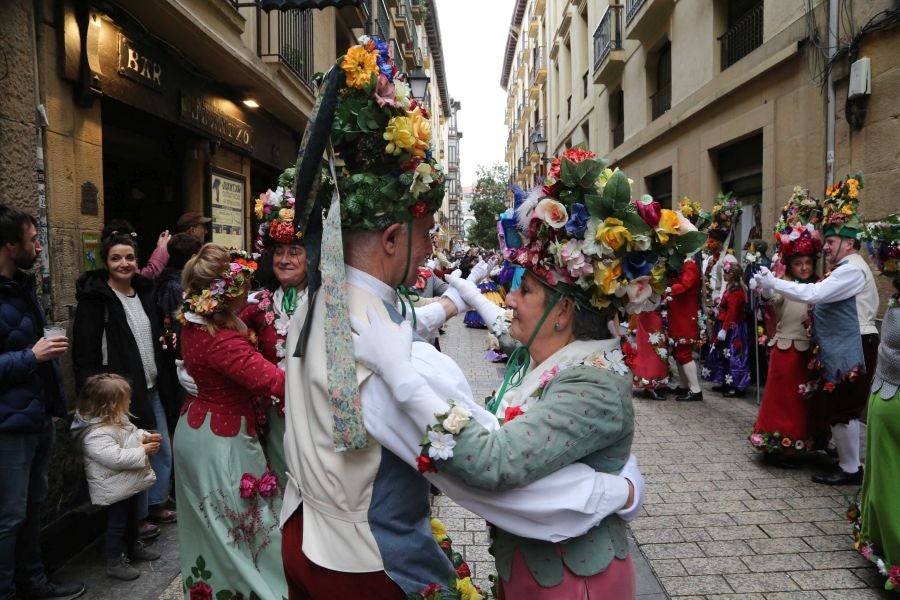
x=201 y=591
x=866 y=551
x=268 y=483
x=547 y=375
x=638 y=290
x=894 y=575
x=649 y=210
x=683 y=224
x=384 y=92
x=552 y=212
x=430 y=590
x=756 y=439
x=249 y=485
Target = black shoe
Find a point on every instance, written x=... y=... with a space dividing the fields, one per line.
x=690 y=397
x=147 y=531
x=733 y=393
x=679 y=391
x=651 y=394
x=839 y=477
x=57 y=589
x=719 y=388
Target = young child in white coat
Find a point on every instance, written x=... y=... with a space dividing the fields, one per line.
x=117 y=467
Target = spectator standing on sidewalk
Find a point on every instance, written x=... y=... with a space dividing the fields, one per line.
x=116 y=463
x=845 y=303
x=158 y=259
x=30 y=397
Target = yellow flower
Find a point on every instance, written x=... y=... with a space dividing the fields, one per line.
x=438 y=531
x=607 y=277
x=421 y=128
x=467 y=589
x=613 y=233
x=668 y=225
x=847 y=209
x=258 y=208
x=399 y=135
x=286 y=214
x=658 y=277
x=359 y=66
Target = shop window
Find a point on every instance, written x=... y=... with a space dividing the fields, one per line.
x=661 y=100
x=660 y=187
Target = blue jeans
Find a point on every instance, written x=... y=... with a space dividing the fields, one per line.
x=24 y=458
x=162 y=460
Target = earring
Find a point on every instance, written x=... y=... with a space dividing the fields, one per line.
x=556 y=326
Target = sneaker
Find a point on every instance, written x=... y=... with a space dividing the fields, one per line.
x=142 y=552
x=61 y=590
x=147 y=531
x=120 y=568
x=160 y=515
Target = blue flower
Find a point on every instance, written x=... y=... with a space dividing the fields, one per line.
x=387 y=69
x=636 y=265
x=578 y=220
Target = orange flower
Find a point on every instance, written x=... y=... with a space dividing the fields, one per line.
x=359 y=66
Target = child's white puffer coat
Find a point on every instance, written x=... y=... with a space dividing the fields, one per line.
x=115 y=463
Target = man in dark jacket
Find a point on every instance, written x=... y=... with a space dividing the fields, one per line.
x=30 y=395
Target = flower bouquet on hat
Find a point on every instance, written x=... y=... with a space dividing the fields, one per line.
x=276 y=213
x=583 y=235
x=725 y=212
x=796 y=232
x=841 y=208
x=383 y=137
x=882 y=240
x=692 y=211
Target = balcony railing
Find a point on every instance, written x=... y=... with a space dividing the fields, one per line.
x=608 y=35
x=288 y=35
x=743 y=37
x=537 y=64
x=618 y=135
x=384 y=20
x=631 y=8
x=661 y=101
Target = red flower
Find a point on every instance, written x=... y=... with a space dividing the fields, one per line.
x=576 y=155
x=424 y=464
x=419 y=209
x=650 y=213
x=828 y=387
x=282 y=232
x=431 y=590
x=462 y=571
x=268 y=483
x=512 y=412
x=201 y=591
x=248 y=485
x=445 y=545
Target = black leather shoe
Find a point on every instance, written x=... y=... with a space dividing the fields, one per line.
x=650 y=394
x=679 y=391
x=839 y=477
x=733 y=393
x=690 y=397
x=719 y=388
x=57 y=589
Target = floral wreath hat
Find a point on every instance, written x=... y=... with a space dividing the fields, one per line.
x=796 y=233
x=883 y=242
x=233 y=282
x=725 y=212
x=584 y=236
x=692 y=211
x=275 y=211
x=841 y=208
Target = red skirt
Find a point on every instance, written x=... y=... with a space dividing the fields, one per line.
x=781 y=425
x=650 y=369
x=616 y=581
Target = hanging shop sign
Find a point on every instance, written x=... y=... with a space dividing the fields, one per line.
x=137 y=64
x=204 y=115
x=227 y=192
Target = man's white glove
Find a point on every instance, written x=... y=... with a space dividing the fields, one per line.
x=387 y=350
x=487 y=310
x=632 y=473
x=722 y=335
x=480 y=271
x=186 y=381
x=765 y=279
x=453 y=294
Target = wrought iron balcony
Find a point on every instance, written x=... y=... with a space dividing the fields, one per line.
x=631 y=8
x=661 y=101
x=384 y=20
x=743 y=37
x=608 y=35
x=538 y=66
x=287 y=35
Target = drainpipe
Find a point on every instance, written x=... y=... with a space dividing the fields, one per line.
x=831 y=108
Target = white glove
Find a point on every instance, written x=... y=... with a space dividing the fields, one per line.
x=184 y=378
x=722 y=335
x=387 y=350
x=253 y=297
x=632 y=473
x=765 y=279
x=752 y=283
x=487 y=310
x=479 y=271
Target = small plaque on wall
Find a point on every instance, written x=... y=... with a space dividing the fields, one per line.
x=89 y=195
x=90 y=250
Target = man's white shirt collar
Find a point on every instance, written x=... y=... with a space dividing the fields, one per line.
x=371 y=284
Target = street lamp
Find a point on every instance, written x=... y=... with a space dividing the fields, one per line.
x=539 y=142
x=418 y=82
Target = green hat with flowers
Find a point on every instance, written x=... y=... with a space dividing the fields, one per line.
x=583 y=235
x=276 y=212
x=841 y=208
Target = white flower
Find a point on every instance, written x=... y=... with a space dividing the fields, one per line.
x=552 y=212
x=641 y=242
x=590 y=246
x=458 y=417
x=729 y=379
x=440 y=445
x=616 y=361
x=704 y=372
x=663 y=353
x=401 y=94
x=655 y=337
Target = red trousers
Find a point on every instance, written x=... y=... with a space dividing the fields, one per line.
x=684 y=353
x=308 y=581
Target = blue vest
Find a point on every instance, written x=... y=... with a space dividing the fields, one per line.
x=836 y=332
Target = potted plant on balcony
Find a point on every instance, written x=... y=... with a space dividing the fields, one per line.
x=419 y=10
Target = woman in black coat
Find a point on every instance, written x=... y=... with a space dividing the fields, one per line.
x=117 y=330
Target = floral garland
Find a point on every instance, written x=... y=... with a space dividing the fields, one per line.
x=231 y=284
x=461 y=586
x=198 y=589
x=867 y=550
x=439 y=439
x=775 y=443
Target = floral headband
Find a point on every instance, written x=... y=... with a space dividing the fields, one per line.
x=883 y=242
x=796 y=233
x=841 y=207
x=383 y=136
x=231 y=284
x=583 y=235
x=275 y=210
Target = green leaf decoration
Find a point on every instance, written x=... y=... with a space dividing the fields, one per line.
x=676 y=261
x=597 y=206
x=224 y=595
x=568 y=172
x=588 y=172
x=189 y=582
x=206 y=575
x=195 y=572
x=253 y=596
x=618 y=190
x=689 y=242
x=635 y=223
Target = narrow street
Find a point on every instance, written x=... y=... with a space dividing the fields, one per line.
x=716 y=523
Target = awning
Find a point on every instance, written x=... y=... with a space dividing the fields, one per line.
x=308 y=4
